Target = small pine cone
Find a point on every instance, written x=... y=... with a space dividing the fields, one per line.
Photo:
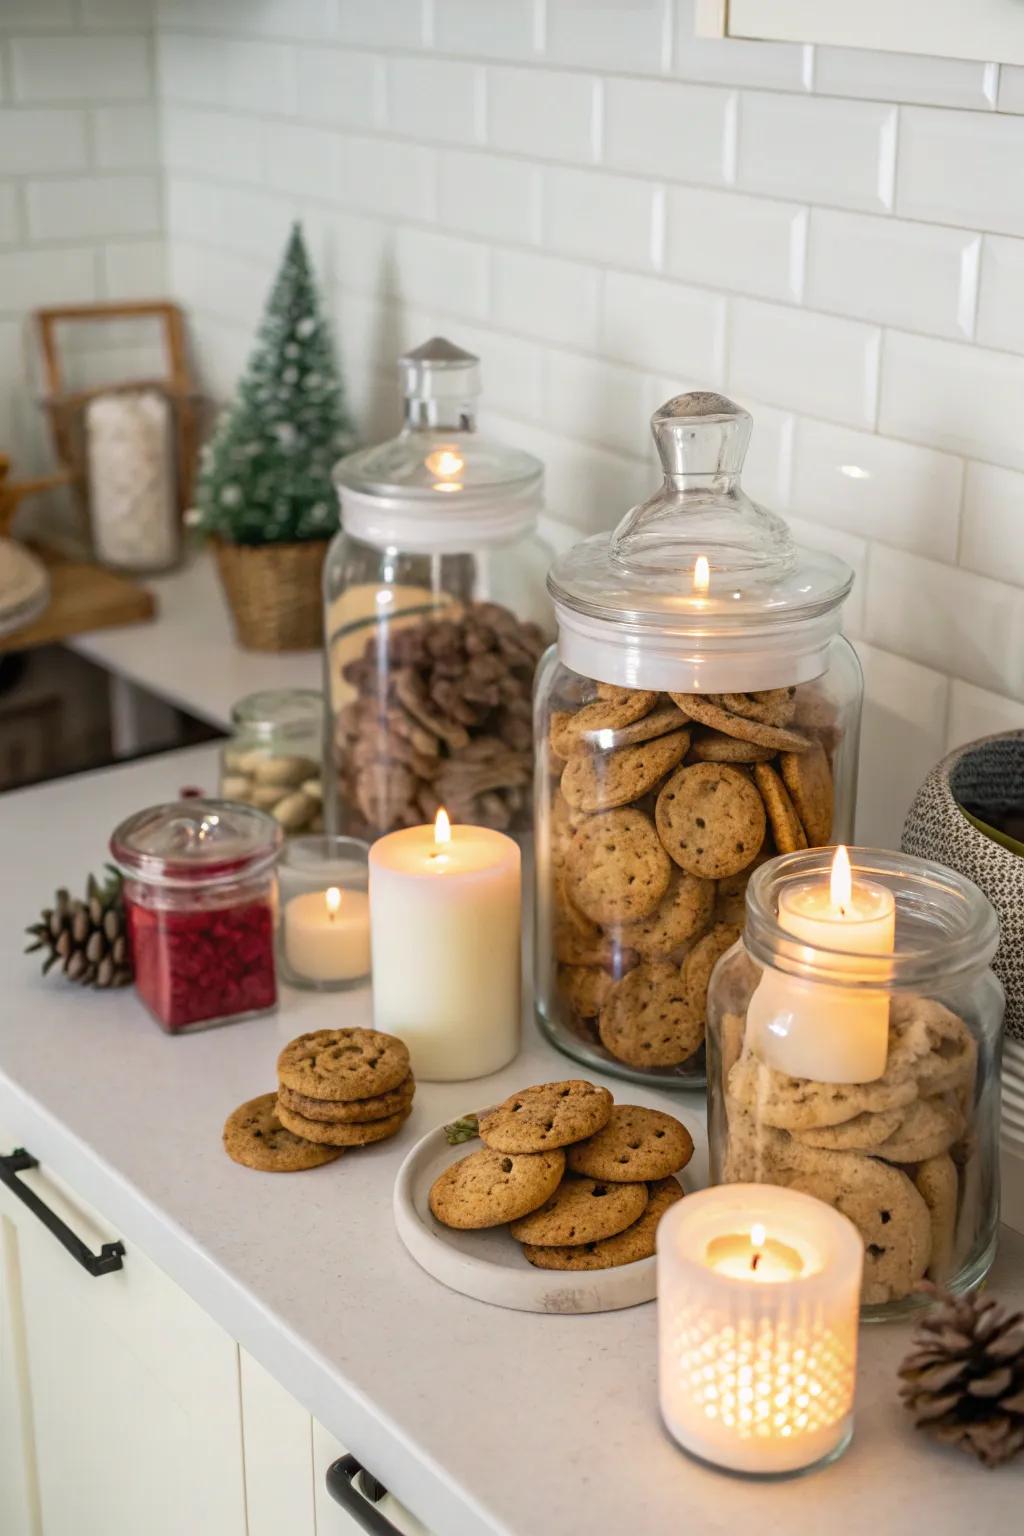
x=964 y=1380
x=87 y=938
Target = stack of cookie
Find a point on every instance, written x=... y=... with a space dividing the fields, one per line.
x=339 y=1088
x=580 y=1182
x=664 y=806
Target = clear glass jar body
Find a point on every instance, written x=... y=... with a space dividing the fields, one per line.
x=133 y=510
x=323 y=936
x=273 y=757
x=649 y=822
x=905 y=1145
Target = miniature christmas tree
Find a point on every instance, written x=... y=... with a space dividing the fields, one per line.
x=265 y=476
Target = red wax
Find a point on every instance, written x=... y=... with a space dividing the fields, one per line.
x=191 y=966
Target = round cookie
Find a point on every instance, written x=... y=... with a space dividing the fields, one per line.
x=928 y=1128
x=772 y=706
x=936 y=1181
x=711 y=819
x=636 y=1242
x=357 y=1111
x=778 y=737
x=568 y=913
x=636 y=1143
x=798 y=1104
x=255 y=1137
x=489 y=1188
x=617 y=869
x=649 y=1021
x=701 y=961
x=339 y=1133
x=712 y=747
x=585 y=988
x=545 y=1116
x=582 y=1211
x=864 y=1133
x=343 y=1064
x=610 y=711
x=600 y=781
x=661 y=720
x=807 y=776
x=561 y=735
x=684 y=910
x=572 y=949
x=786 y=826
x=932 y=1044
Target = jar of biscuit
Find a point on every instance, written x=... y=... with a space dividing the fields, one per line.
x=699 y=714
x=436 y=615
x=853 y=1045
x=273 y=757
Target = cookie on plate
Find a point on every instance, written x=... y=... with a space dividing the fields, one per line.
x=710 y=819
x=617 y=871
x=648 y=1019
x=255 y=1137
x=636 y=1143
x=343 y=1064
x=489 y=1188
x=582 y=1210
x=352 y=1110
x=636 y=1242
x=339 y=1133
x=545 y=1116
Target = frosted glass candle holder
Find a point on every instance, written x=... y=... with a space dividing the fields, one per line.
x=758 y=1297
x=323 y=932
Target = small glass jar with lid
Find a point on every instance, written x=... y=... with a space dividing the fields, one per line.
x=273 y=757
x=853 y=1054
x=699 y=714
x=199 y=902
x=435 y=615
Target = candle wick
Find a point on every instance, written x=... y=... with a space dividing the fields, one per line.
x=755 y=1261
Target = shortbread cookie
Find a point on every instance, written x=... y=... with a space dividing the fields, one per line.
x=582 y=1211
x=343 y=1064
x=683 y=912
x=341 y=1133
x=566 y=910
x=488 y=1188
x=701 y=961
x=617 y=870
x=807 y=776
x=731 y=890
x=611 y=711
x=255 y=1137
x=636 y=1242
x=928 y=1128
x=787 y=829
x=636 y=1143
x=661 y=720
x=545 y=1116
x=756 y=1153
x=710 y=819
x=649 y=1020
x=712 y=747
x=798 y=1104
x=779 y=738
x=585 y=988
x=932 y=1044
x=772 y=706
x=600 y=781
x=354 y=1110
x=864 y=1133
x=572 y=949
x=936 y=1182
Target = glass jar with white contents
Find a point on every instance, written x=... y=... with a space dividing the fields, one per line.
x=273 y=758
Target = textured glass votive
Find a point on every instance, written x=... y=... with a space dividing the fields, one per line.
x=758 y=1295
x=323 y=933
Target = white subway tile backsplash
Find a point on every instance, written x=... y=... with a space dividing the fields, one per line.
x=123 y=14
x=1011 y=88
x=921 y=277
x=824 y=150
x=29 y=278
x=350 y=250
x=436 y=99
x=93 y=206
x=238 y=219
x=545 y=297
x=486 y=195
x=126 y=138
x=594 y=34
x=588 y=488
x=1001 y=301
x=853 y=551
x=216 y=283
x=394 y=24
x=975 y=712
x=723 y=239
x=505 y=31
x=547 y=113
x=213 y=143
x=270 y=18
x=597 y=402
x=905 y=703
x=383 y=176
x=663 y=326
x=962 y=168
x=303 y=160
x=512 y=368
x=441 y=270
x=953 y=396
x=807 y=362
x=42 y=139
x=663 y=128
x=38 y=14
x=106 y=68
x=905 y=77
x=335 y=86
x=993 y=535
x=735 y=61
x=10 y=216
x=607 y=218
x=878 y=488
x=242 y=73
x=135 y=269
x=767 y=468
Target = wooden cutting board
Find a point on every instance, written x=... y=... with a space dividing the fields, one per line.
x=83 y=597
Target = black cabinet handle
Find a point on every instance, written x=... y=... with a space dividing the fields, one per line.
x=341 y=1476
x=110 y=1256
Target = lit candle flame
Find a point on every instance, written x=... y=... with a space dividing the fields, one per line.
x=333 y=899
x=442 y=828
x=445 y=463
x=701 y=574
x=841 y=881
x=758 y=1235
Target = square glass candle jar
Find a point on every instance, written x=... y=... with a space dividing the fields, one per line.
x=323 y=932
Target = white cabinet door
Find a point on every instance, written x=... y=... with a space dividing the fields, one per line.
x=134 y=1390
x=331 y=1519
x=19 y=1500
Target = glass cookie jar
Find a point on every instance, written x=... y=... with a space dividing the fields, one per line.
x=853 y=1048
x=435 y=615
x=699 y=714
x=273 y=758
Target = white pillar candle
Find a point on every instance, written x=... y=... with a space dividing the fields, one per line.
x=810 y=1028
x=445 y=922
x=758 y=1295
x=327 y=935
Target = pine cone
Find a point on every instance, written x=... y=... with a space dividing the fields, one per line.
x=86 y=937
x=964 y=1380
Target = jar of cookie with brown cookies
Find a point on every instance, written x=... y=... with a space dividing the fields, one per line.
x=699 y=714
x=853 y=1047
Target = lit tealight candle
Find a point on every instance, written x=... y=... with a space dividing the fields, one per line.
x=757 y=1327
x=327 y=935
x=830 y=1033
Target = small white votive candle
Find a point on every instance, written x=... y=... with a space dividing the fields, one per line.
x=327 y=935
x=758 y=1298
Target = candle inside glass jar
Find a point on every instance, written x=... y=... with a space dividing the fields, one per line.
x=327 y=935
x=754 y=1256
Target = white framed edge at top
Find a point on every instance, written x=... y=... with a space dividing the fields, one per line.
x=988 y=30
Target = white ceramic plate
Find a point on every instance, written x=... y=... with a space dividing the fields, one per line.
x=489 y=1265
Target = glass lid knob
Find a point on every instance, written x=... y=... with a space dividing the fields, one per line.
x=701 y=434
x=439 y=370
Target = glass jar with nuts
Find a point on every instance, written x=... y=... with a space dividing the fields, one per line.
x=699 y=713
x=273 y=758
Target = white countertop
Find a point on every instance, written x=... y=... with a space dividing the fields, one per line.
x=482 y=1421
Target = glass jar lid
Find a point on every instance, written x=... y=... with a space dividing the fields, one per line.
x=439 y=480
x=195 y=842
x=280 y=715
x=698 y=574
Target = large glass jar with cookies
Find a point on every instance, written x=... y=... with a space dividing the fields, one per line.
x=699 y=714
x=436 y=615
x=853 y=1047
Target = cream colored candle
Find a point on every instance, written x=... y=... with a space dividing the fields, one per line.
x=445 y=918
x=758 y=1296
x=327 y=935
x=811 y=1029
